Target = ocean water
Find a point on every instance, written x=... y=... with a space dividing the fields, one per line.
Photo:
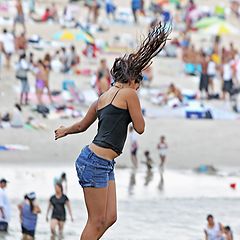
x=149 y=207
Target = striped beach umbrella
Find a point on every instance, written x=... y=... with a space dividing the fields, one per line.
x=71 y=36
x=207 y=22
x=222 y=28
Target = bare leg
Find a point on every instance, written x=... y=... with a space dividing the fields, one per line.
x=111 y=212
x=53 y=224
x=39 y=96
x=96 y=203
x=134 y=160
x=162 y=159
x=21 y=98
x=60 y=226
x=102 y=210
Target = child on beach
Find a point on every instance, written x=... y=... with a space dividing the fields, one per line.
x=134 y=146
x=162 y=148
x=115 y=110
x=149 y=165
x=149 y=161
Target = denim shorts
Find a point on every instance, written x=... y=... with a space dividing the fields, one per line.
x=92 y=170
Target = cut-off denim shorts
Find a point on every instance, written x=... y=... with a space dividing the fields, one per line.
x=92 y=170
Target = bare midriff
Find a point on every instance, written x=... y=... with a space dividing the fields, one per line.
x=105 y=153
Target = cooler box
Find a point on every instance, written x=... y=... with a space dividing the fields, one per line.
x=196 y=111
x=198 y=114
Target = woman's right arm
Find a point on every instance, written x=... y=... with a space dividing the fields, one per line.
x=81 y=126
x=135 y=111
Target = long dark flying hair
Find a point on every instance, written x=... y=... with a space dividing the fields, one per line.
x=130 y=67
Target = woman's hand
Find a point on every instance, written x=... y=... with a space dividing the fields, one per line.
x=60 y=132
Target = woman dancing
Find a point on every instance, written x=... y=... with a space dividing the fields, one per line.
x=115 y=109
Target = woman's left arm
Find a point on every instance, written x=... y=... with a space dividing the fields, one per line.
x=81 y=126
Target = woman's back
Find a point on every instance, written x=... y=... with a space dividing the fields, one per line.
x=114 y=118
x=29 y=218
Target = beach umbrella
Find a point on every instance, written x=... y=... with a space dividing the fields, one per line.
x=221 y=28
x=71 y=36
x=85 y=36
x=64 y=36
x=207 y=22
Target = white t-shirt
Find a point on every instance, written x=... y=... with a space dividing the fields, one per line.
x=211 y=69
x=4 y=203
x=214 y=233
x=227 y=71
x=8 y=42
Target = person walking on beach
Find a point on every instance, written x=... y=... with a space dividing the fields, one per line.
x=29 y=210
x=213 y=231
x=162 y=149
x=57 y=202
x=134 y=146
x=4 y=207
x=115 y=109
x=149 y=165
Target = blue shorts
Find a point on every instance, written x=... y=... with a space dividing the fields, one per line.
x=92 y=170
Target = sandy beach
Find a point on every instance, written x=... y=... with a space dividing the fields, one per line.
x=192 y=142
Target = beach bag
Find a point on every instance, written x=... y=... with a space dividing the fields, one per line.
x=21 y=73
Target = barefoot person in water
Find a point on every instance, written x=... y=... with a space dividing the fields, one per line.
x=115 y=109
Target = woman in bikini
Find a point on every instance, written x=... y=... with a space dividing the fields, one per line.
x=114 y=109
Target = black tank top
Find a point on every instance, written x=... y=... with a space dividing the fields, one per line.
x=112 y=127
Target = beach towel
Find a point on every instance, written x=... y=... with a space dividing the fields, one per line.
x=13 y=147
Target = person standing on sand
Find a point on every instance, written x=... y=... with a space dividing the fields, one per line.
x=213 y=231
x=162 y=148
x=8 y=46
x=22 y=69
x=41 y=79
x=115 y=110
x=19 y=17
x=103 y=80
x=134 y=146
x=58 y=218
x=29 y=210
x=4 y=207
x=203 y=84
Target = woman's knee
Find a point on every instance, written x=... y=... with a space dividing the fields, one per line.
x=99 y=223
x=111 y=219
